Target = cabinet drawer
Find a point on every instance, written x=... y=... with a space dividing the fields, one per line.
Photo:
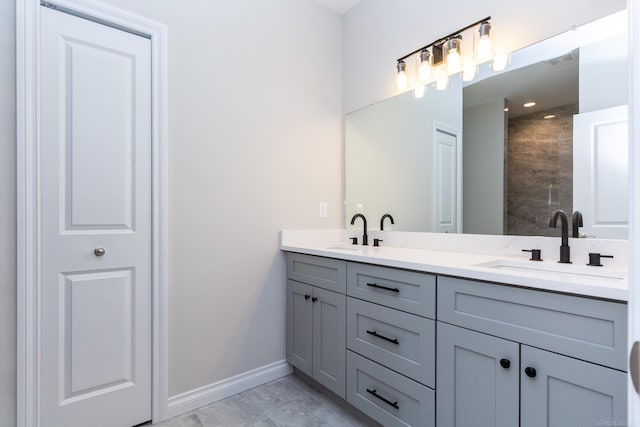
x=325 y=273
x=400 y=341
x=404 y=290
x=386 y=396
x=587 y=329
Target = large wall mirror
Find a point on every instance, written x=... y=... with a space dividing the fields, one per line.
x=473 y=159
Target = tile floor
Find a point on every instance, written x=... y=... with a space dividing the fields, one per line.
x=288 y=401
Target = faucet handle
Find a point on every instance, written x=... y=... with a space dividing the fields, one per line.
x=536 y=254
x=354 y=240
x=594 y=259
x=376 y=242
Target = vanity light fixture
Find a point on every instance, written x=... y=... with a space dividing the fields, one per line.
x=452 y=53
x=419 y=91
x=484 y=47
x=506 y=109
x=426 y=62
x=401 y=78
x=529 y=104
x=446 y=56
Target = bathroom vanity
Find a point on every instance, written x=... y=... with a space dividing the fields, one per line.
x=423 y=337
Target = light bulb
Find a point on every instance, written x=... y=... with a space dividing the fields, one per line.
x=419 y=90
x=500 y=61
x=484 y=42
x=469 y=71
x=425 y=66
x=442 y=81
x=452 y=52
x=401 y=79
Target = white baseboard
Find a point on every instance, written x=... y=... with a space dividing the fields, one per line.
x=208 y=394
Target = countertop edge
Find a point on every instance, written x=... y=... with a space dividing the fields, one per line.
x=617 y=294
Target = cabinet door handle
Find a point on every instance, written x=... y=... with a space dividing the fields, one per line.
x=375 y=334
x=531 y=372
x=307 y=296
x=505 y=363
x=373 y=285
x=388 y=402
x=314 y=299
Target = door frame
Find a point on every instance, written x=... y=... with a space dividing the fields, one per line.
x=28 y=196
x=633 y=7
x=457 y=133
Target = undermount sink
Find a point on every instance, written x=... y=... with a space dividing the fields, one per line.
x=344 y=247
x=555 y=270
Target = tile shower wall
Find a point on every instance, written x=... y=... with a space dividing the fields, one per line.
x=539 y=166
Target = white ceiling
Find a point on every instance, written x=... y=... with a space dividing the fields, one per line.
x=550 y=84
x=339 y=6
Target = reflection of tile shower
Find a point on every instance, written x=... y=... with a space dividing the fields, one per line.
x=539 y=176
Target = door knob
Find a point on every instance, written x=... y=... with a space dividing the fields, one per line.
x=634 y=364
x=531 y=372
x=99 y=251
x=505 y=363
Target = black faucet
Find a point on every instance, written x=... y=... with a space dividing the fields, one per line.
x=365 y=238
x=382 y=221
x=565 y=257
x=576 y=222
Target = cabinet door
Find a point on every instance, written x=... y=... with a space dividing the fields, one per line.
x=474 y=388
x=570 y=392
x=299 y=326
x=329 y=340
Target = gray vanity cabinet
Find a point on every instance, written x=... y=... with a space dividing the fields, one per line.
x=498 y=357
x=477 y=380
x=316 y=319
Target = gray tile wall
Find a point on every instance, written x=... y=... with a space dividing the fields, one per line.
x=539 y=165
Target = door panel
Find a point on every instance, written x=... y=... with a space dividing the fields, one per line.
x=99 y=136
x=299 y=326
x=98 y=353
x=329 y=340
x=570 y=392
x=474 y=389
x=95 y=101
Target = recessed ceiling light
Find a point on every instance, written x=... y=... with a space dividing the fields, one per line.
x=528 y=104
x=550 y=116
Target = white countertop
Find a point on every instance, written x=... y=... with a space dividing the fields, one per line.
x=600 y=282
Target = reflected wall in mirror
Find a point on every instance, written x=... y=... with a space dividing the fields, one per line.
x=473 y=159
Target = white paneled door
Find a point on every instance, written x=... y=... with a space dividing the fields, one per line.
x=446 y=182
x=95 y=252
x=601 y=171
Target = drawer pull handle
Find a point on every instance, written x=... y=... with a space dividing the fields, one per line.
x=531 y=372
x=307 y=297
x=375 y=334
x=388 y=402
x=505 y=363
x=373 y=285
x=314 y=299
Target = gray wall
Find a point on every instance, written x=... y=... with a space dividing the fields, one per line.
x=483 y=157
